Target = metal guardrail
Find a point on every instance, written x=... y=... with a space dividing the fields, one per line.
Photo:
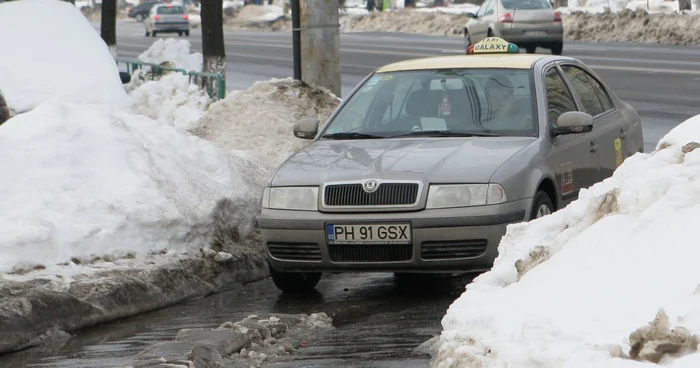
x=214 y=83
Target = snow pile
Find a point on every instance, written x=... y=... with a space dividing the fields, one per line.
x=610 y=281
x=73 y=63
x=599 y=6
x=259 y=120
x=633 y=26
x=174 y=51
x=170 y=99
x=418 y=21
x=90 y=180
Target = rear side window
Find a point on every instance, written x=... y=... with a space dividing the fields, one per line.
x=171 y=10
x=526 y=4
x=559 y=99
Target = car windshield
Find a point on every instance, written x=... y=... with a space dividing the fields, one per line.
x=526 y=4
x=455 y=102
x=171 y=10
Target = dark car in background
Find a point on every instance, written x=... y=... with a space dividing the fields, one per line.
x=4 y=110
x=141 y=11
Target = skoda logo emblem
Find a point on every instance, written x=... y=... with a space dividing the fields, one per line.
x=370 y=185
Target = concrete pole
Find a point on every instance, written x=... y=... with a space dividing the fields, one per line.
x=320 y=44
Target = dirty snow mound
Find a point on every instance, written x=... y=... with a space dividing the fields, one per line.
x=633 y=26
x=572 y=289
x=259 y=120
x=171 y=100
x=174 y=51
x=56 y=54
x=408 y=21
x=89 y=180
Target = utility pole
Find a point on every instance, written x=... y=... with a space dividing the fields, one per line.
x=316 y=43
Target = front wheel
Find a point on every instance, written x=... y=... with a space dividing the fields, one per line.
x=295 y=282
x=541 y=205
x=467 y=40
x=557 y=48
x=153 y=34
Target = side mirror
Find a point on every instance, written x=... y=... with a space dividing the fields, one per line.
x=306 y=128
x=471 y=15
x=573 y=122
x=125 y=77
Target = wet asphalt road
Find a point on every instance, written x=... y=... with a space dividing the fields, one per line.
x=378 y=324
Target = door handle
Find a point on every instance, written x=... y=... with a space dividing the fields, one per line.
x=594 y=147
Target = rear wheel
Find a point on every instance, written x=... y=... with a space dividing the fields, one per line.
x=295 y=282
x=467 y=40
x=187 y=33
x=530 y=49
x=153 y=34
x=179 y=34
x=541 y=205
x=557 y=48
x=148 y=34
x=490 y=33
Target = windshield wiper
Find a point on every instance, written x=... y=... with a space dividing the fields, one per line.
x=351 y=135
x=445 y=133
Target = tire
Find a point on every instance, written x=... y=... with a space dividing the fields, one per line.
x=295 y=282
x=187 y=33
x=179 y=34
x=557 y=48
x=490 y=33
x=148 y=34
x=541 y=201
x=467 y=40
x=153 y=34
x=530 y=49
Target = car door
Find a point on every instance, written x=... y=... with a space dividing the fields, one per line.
x=478 y=30
x=572 y=157
x=609 y=128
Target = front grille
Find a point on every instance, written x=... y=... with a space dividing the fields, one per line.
x=453 y=249
x=387 y=194
x=370 y=252
x=295 y=251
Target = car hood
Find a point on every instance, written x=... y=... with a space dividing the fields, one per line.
x=432 y=160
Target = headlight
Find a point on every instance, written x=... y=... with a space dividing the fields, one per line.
x=291 y=198
x=464 y=195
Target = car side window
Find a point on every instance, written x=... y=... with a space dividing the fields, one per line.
x=603 y=95
x=484 y=7
x=559 y=99
x=584 y=86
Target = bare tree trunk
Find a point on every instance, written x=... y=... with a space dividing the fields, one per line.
x=684 y=5
x=108 y=28
x=213 y=49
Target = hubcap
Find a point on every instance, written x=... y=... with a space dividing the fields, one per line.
x=543 y=211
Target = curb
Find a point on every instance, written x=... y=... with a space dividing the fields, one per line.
x=32 y=312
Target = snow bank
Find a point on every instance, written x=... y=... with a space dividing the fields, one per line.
x=70 y=61
x=92 y=180
x=259 y=120
x=174 y=51
x=169 y=99
x=610 y=281
x=633 y=26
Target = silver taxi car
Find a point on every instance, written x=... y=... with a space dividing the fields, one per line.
x=424 y=165
x=526 y=23
x=167 y=18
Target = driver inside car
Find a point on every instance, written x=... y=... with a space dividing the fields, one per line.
x=507 y=113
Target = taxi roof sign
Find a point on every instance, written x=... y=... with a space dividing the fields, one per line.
x=493 y=45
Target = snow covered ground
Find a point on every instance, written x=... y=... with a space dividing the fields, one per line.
x=79 y=68
x=610 y=281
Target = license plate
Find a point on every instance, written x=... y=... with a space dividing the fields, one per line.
x=399 y=233
x=535 y=33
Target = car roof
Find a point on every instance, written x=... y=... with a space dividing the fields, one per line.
x=510 y=61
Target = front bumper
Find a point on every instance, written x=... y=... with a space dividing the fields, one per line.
x=444 y=240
